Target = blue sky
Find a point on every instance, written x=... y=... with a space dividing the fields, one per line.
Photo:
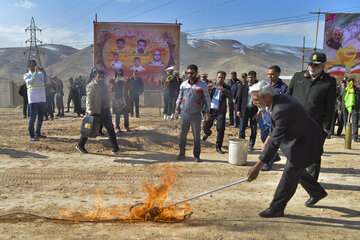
x=69 y=22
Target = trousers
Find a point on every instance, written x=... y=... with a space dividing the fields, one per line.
x=289 y=181
x=193 y=120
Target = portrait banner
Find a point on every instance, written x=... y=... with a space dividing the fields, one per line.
x=342 y=44
x=145 y=48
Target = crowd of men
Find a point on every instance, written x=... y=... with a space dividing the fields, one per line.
x=296 y=118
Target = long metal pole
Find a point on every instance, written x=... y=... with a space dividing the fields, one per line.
x=317 y=29
x=215 y=190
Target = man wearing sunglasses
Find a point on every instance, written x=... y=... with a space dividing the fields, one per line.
x=193 y=98
x=316 y=91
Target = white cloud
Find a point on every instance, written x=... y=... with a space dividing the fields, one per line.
x=15 y=36
x=307 y=29
x=25 y=4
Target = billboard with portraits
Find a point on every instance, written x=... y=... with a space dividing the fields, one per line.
x=342 y=44
x=148 y=48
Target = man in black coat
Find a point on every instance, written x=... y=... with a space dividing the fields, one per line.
x=300 y=139
x=218 y=94
x=246 y=110
x=233 y=118
x=23 y=93
x=136 y=89
x=316 y=92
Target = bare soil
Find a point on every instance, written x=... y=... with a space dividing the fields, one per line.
x=46 y=176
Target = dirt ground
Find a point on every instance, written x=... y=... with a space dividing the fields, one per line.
x=46 y=176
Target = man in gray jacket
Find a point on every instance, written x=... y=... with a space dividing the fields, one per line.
x=193 y=98
x=300 y=139
x=98 y=104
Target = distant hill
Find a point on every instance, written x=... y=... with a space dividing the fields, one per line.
x=13 y=61
x=210 y=56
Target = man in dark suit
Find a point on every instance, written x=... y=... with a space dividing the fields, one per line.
x=246 y=110
x=300 y=139
x=218 y=94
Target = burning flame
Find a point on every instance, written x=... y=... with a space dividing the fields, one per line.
x=153 y=208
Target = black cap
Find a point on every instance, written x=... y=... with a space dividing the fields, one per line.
x=317 y=58
x=244 y=74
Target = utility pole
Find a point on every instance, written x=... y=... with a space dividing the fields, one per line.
x=317 y=33
x=33 y=51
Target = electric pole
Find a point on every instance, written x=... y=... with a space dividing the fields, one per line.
x=33 y=51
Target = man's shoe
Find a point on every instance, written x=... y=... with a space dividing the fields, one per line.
x=230 y=124
x=271 y=213
x=180 y=157
x=116 y=151
x=33 y=139
x=266 y=168
x=128 y=129
x=67 y=111
x=278 y=158
x=40 y=136
x=251 y=148
x=356 y=140
x=219 y=150
x=81 y=149
x=313 y=200
x=118 y=130
x=24 y=116
x=197 y=159
x=206 y=136
x=101 y=134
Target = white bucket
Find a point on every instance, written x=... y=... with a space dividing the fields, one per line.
x=238 y=149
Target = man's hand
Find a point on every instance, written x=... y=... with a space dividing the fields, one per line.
x=257 y=115
x=265 y=143
x=254 y=171
x=221 y=88
x=238 y=114
x=207 y=116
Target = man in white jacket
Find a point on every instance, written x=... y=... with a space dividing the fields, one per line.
x=35 y=83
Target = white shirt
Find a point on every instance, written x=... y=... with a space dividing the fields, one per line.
x=35 y=87
x=139 y=68
x=116 y=65
x=215 y=100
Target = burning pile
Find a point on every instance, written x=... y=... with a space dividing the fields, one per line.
x=154 y=207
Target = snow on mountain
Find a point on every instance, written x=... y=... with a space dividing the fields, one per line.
x=198 y=42
x=267 y=49
x=238 y=48
x=52 y=48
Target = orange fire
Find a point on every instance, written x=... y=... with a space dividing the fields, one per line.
x=153 y=208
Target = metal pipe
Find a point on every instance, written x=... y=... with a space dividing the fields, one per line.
x=211 y=191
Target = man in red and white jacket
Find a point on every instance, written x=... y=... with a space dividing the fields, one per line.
x=193 y=98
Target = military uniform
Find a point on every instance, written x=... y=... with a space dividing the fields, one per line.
x=318 y=96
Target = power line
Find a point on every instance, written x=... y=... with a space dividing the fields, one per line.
x=68 y=9
x=91 y=11
x=135 y=8
x=152 y=9
x=201 y=10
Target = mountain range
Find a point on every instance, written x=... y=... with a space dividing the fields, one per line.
x=210 y=56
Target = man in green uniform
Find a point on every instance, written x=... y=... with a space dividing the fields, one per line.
x=316 y=91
